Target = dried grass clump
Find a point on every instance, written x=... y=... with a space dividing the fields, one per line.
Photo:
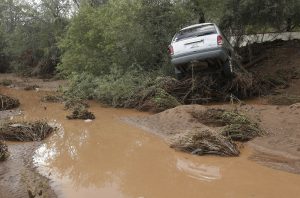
x=52 y=99
x=25 y=131
x=201 y=142
x=7 y=103
x=242 y=132
x=6 y=82
x=31 y=87
x=284 y=100
x=4 y=154
x=234 y=125
x=75 y=103
x=82 y=114
x=153 y=99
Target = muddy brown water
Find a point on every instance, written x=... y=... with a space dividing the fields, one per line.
x=109 y=158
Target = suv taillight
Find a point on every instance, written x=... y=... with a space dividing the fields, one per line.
x=171 y=50
x=220 y=40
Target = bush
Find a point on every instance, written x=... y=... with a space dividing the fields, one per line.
x=82 y=86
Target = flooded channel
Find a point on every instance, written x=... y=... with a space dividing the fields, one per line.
x=109 y=158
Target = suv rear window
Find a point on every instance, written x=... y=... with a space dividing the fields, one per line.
x=194 y=32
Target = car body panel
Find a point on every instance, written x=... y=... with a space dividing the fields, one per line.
x=189 y=46
x=217 y=53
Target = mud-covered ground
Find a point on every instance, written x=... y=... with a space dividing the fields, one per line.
x=18 y=176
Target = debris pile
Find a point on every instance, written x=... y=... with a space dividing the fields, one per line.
x=202 y=130
x=234 y=125
x=52 y=99
x=201 y=142
x=6 y=82
x=7 y=103
x=25 y=131
x=79 y=109
x=31 y=87
x=82 y=114
x=167 y=92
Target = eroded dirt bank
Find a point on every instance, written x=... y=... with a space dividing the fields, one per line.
x=108 y=158
x=278 y=148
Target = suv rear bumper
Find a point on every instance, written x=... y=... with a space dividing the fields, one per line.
x=217 y=53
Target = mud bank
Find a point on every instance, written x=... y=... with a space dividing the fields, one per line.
x=18 y=176
x=278 y=148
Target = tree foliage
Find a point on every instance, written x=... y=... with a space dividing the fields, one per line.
x=31 y=33
x=122 y=34
x=100 y=36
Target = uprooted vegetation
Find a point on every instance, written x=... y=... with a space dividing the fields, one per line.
x=268 y=67
x=81 y=114
x=31 y=87
x=7 y=103
x=25 y=131
x=79 y=109
x=4 y=154
x=224 y=127
x=157 y=94
x=201 y=130
x=6 y=82
x=201 y=142
x=52 y=99
x=234 y=125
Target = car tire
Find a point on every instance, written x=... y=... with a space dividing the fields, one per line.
x=228 y=68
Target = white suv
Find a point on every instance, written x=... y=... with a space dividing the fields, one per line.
x=201 y=43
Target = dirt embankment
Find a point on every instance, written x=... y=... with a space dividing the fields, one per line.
x=279 y=147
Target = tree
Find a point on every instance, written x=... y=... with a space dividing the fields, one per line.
x=122 y=35
x=31 y=33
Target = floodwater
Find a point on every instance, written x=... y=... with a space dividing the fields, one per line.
x=108 y=158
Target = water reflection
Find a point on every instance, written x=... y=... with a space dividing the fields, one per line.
x=199 y=171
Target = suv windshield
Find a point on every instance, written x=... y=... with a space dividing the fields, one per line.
x=196 y=31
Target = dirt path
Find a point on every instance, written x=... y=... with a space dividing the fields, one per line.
x=108 y=158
